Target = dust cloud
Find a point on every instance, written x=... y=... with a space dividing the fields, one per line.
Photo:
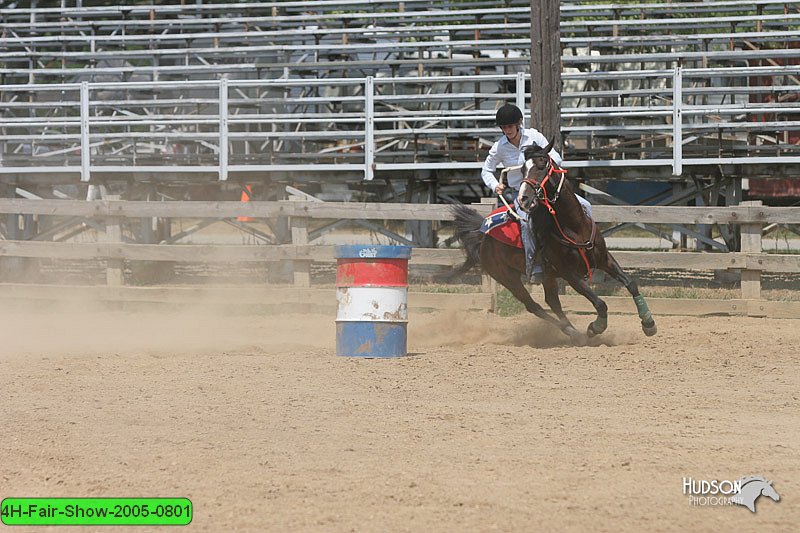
x=465 y=328
x=76 y=326
x=80 y=325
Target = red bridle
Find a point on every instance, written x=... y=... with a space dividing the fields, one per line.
x=540 y=186
x=541 y=194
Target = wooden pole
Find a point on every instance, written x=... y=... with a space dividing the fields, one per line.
x=301 y=269
x=115 y=268
x=546 y=69
x=751 y=243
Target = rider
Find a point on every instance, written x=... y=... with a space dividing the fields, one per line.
x=509 y=151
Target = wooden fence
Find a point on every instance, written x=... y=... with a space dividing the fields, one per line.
x=751 y=261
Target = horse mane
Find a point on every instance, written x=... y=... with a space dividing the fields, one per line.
x=749 y=479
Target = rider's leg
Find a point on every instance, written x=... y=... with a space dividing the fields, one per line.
x=533 y=271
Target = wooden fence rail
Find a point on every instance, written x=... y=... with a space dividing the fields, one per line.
x=742 y=214
x=751 y=218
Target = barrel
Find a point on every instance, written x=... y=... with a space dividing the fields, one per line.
x=372 y=293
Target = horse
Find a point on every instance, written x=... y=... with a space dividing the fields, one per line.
x=751 y=488
x=570 y=246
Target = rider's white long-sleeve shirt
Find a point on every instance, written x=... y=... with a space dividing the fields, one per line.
x=505 y=153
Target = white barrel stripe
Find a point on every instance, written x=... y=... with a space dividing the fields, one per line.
x=372 y=304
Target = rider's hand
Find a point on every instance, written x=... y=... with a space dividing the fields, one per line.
x=500 y=188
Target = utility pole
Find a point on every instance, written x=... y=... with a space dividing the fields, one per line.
x=546 y=69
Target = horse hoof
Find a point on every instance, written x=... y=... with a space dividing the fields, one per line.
x=570 y=332
x=650 y=329
x=577 y=338
x=593 y=330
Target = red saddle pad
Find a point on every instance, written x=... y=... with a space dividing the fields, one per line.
x=503 y=227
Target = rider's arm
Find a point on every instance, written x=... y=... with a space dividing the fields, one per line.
x=489 y=166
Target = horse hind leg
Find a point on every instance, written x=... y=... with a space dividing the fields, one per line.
x=614 y=270
x=514 y=284
x=599 y=325
x=509 y=277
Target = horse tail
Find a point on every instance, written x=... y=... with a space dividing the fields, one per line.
x=467 y=224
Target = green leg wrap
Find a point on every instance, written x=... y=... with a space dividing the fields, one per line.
x=641 y=306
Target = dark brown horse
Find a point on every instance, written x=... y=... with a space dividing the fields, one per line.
x=570 y=246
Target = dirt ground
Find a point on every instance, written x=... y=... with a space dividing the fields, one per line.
x=490 y=424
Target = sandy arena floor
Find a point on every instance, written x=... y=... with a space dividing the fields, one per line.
x=489 y=425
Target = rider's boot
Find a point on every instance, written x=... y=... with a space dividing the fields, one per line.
x=533 y=270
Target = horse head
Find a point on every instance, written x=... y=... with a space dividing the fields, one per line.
x=538 y=166
x=769 y=491
x=534 y=150
x=751 y=488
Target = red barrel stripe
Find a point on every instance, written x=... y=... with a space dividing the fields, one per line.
x=357 y=272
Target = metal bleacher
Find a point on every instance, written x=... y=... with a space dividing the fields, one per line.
x=734 y=65
x=368 y=92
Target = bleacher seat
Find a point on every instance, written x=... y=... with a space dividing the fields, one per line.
x=297 y=70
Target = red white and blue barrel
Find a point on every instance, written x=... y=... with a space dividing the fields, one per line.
x=372 y=292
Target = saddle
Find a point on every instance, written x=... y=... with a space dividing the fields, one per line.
x=503 y=227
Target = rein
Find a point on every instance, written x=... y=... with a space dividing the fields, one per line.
x=548 y=203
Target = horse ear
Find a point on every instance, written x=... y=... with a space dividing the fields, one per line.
x=531 y=151
x=536 y=150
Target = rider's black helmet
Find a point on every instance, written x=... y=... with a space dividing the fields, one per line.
x=508 y=114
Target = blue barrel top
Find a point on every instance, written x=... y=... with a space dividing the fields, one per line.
x=362 y=251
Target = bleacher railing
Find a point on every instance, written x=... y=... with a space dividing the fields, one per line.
x=372 y=124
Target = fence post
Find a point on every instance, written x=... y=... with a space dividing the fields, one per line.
x=223 y=129
x=751 y=243
x=114 y=267
x=86 y=156
x=677 y=122
x=369 y=128
x=521 y=98
x=301 y=268
x=11 y=267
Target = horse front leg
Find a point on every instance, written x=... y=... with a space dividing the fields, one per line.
x=581 y=285
x=550 y=286
x=612 y=267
